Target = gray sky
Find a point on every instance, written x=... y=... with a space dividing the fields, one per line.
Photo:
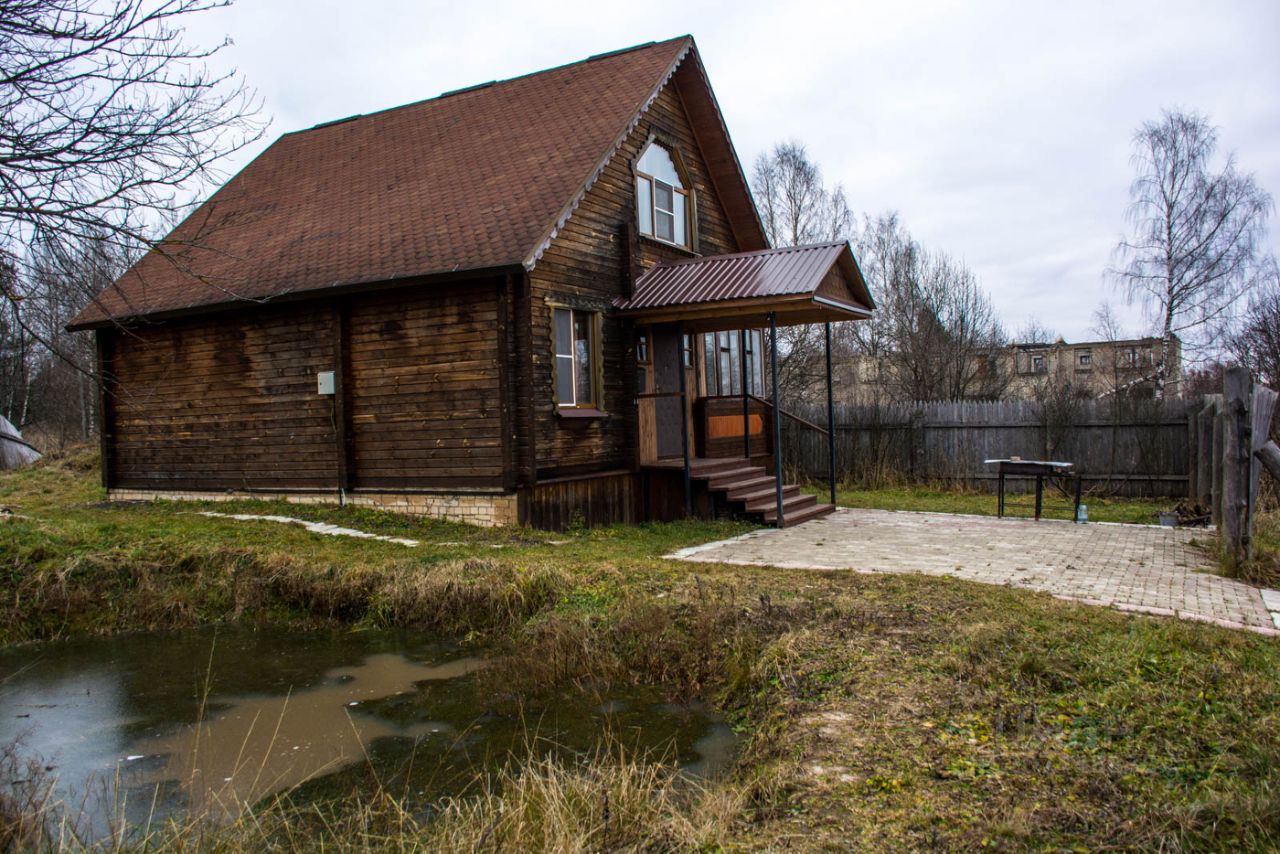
x=999 y=130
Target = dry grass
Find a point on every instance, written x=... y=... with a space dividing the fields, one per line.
x=879 y=712
x=173 y=586
x=610 y=801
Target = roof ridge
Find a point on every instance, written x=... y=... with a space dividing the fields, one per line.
x=489 y=84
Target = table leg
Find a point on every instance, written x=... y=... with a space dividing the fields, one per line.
x=1000 y=499
x=1039 y=494
x=1075 y=512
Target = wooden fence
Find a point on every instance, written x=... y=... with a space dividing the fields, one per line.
x=1121 y=447
x=1230 y=444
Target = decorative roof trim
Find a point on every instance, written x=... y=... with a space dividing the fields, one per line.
x=737 y=162
x=531 y=260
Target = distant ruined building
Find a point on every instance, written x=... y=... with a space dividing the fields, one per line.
x=1031 y=371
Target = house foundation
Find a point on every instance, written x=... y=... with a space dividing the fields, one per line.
x=486 y=510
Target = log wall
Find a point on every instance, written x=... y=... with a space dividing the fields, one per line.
x=224 y=402
x=229 y=401
x=588 y=265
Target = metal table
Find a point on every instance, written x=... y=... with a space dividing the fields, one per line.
x=1039 y=469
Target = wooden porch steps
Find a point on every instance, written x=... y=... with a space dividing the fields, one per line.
x=754 y=491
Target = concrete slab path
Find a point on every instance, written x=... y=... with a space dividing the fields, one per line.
x=1141 y=568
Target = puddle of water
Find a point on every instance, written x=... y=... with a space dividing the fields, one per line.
x=116 y=720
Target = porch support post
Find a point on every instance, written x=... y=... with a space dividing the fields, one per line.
x=831 y=420
x=684 y=420
x=777 y=415
x=746 y=401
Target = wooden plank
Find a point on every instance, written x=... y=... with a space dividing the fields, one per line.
x=341 y=397
x=106 y=419
x=1262 y=409
x=1269 y=455
x=1236 y=454
x=1204 y=451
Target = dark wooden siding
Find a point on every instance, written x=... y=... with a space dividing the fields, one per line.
x=226 y=402
x=587 y=266
x=423 y=378
x=603 y=499
x=229 y=401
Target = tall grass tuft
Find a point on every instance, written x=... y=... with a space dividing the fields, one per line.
x=608 y=801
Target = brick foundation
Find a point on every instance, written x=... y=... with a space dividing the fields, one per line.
x=486 y=510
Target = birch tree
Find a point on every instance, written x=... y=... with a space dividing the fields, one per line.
x=1193 y=247
x=797 y=208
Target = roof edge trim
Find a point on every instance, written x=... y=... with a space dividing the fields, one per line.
x=332 y=289
x=535 y=255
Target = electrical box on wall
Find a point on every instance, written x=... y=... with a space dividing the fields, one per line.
x=324 y=382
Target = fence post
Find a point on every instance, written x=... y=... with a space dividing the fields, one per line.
x=1204 y=451
x=915 y=441
x=1262 y=408
x=1219 y=436
x=1236 y=449
x=1193 y=471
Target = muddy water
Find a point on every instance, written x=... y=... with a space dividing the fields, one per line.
x=142 y=727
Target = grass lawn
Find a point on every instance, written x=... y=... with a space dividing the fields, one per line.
x=1139 y=511
x=878 y=712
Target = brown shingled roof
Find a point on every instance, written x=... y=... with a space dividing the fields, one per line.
x=477 y=179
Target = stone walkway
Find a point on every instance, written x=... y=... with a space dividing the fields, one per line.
x=1140 y=568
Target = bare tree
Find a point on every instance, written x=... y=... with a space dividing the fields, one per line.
x=1035 y=332
x=108 y=119
x=798 y=209
x=796 y=206
x=1193 y=250
x=936 y=333
x=111 y=124
x=1255 y=342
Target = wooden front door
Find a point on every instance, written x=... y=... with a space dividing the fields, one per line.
x=666 y=379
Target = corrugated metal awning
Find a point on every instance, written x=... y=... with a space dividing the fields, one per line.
x=803 y=284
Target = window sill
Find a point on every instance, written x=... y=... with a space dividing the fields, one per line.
x=658 y=241
x=580 y=412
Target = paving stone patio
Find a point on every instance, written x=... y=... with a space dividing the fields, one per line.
x=1141 y=568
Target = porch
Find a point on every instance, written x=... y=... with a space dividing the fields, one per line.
x=708 y=400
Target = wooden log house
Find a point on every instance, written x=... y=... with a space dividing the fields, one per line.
x=534 y=301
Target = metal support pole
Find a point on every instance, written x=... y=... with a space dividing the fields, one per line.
x=777 y=415
x=684 y=421
x=1039 y=494
x=831 y=419
x=746 y=401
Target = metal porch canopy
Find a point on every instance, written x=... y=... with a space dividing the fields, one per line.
x=772 y=287
x=802 y=284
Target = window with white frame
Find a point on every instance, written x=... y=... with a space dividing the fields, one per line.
x=662 y=199
x=576 y=356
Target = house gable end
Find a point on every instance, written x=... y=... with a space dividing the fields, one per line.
x=689 y=118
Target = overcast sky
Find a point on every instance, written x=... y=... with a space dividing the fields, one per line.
x=1000 y=131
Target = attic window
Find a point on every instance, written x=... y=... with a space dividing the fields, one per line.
x=662 y=197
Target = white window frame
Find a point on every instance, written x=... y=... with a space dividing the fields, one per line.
x=559 y=359
x=654 y=210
